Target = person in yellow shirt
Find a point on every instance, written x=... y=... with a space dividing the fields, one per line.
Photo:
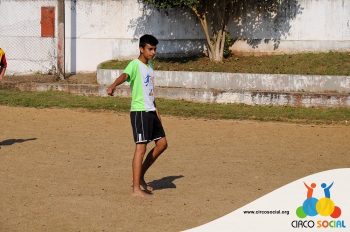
x=3 y=64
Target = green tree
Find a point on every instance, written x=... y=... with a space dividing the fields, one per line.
x=214 y=30
x=214 y=16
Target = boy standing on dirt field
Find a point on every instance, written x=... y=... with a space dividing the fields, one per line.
x=145 y=119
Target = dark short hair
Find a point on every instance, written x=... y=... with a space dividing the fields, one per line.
x=148 y=39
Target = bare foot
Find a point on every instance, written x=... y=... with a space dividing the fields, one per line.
x=146 y=186
x=141 y=193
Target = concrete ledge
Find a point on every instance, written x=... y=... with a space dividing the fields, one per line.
x=79 y=89
x=241 y=81
x=257 y=97
x=201 y=95
x=250 y=89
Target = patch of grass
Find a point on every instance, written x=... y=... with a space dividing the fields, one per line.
x=61 y=100
x=179 y=108
x=332 y=63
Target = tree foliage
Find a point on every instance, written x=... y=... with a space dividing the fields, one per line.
x=214 y=16
x=214 y=28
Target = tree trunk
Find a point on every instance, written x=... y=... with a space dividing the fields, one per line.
x=215 y=44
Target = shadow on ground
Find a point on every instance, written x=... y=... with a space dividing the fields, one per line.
x=9 y=142
x=164 y=183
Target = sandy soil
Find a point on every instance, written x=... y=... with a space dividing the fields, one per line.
x=70 y=170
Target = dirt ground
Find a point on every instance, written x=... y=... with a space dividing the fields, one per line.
x=70 y=170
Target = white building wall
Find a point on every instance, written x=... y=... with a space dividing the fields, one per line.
x=20 y=37
x=109 y=29
x=319 y=26
x=101 y=30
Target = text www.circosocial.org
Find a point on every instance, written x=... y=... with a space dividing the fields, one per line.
x=285 y=212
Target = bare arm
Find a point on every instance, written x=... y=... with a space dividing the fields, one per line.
x=157 y=112
x=159 y=116
x=120 y=80
x=2 y=72
x=3 y=66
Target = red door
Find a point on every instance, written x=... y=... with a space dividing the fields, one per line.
x=47 y=22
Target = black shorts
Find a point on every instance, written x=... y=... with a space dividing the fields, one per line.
x=146 y=126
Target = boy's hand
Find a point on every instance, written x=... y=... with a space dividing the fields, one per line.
x=110 y=91
x=123 y=77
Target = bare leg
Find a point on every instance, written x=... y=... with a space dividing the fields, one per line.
x=160 y=147
x=140 y=151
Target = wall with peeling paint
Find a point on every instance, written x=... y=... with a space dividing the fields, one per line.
x=245 y=88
